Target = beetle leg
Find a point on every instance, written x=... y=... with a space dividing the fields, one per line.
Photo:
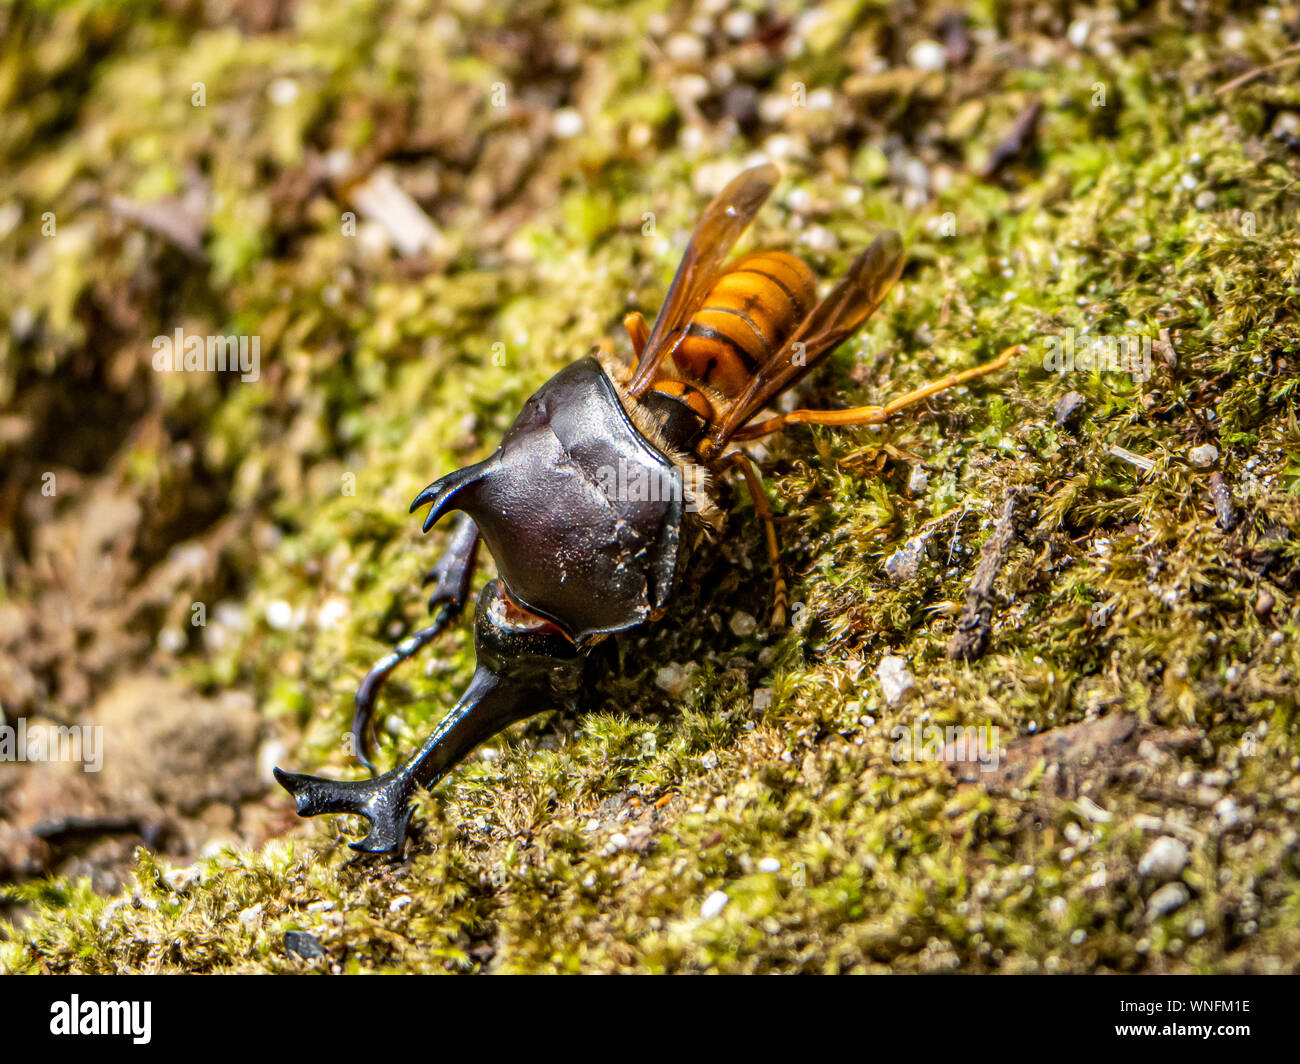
x=454 y=570
x=763 y=508
x=452 y=574
x=875 y=415
x=488 y=705
x=523 y=663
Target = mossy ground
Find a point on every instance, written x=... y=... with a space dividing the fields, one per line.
x=1146 y=202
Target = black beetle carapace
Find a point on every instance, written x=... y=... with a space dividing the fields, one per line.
x=579 y=556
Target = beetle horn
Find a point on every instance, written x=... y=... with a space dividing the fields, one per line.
x=443 y=491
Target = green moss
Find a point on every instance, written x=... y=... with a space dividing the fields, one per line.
x=591 y=842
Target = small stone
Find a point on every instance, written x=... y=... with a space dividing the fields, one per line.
x=1165 y=858
x=895 y=679
x=684 y=48
x=673 y=680
x=709 y=760
x=770 y=865
x=1069 y=410
x=250 y=917
x=713 y=905
x=739 y=24
x=304 y=945
x=742 y=624
x=282 y=91
x=918 y=481
x=279 y=615
x=331 y=614
x=566 y=123
x=1169 y=898
x=1204 y=200
x=1203 y=456
x=927 y=55
x=619 y=841
x=1229 y=813
x=903 y=565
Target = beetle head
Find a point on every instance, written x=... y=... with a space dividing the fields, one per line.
x=581 y=513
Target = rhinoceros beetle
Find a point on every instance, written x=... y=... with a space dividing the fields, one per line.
x=579 y=556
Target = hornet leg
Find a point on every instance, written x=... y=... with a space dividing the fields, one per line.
x=523 y=663
x=875 y=415
x=763 y=508
x=637 y=331
x=451 y=577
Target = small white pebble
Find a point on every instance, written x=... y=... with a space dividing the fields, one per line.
x=1228 y=812
x=770 y=865
x=567 y=123
x=1165 y=858
x=279 y=615
x=903 y=565
x=739 y=24
x=282 y=91
x=1203 y=456
x=673 y=679
x=684 y=48
x=742 y=623
x=927 y=55
x=713 y=905
x=330 y=614
x=895 y=679
x=1167 y=899
x=821 y=100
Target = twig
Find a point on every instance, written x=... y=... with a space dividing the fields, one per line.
x=1141 y=461
x=972 y=636
x=1251 y=75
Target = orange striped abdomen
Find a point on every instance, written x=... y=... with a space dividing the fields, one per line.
x=746 y=317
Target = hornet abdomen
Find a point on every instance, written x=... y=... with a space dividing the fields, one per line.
x=746 y=317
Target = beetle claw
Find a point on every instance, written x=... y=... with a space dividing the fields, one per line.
x=518 y=667
x=384 y=801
